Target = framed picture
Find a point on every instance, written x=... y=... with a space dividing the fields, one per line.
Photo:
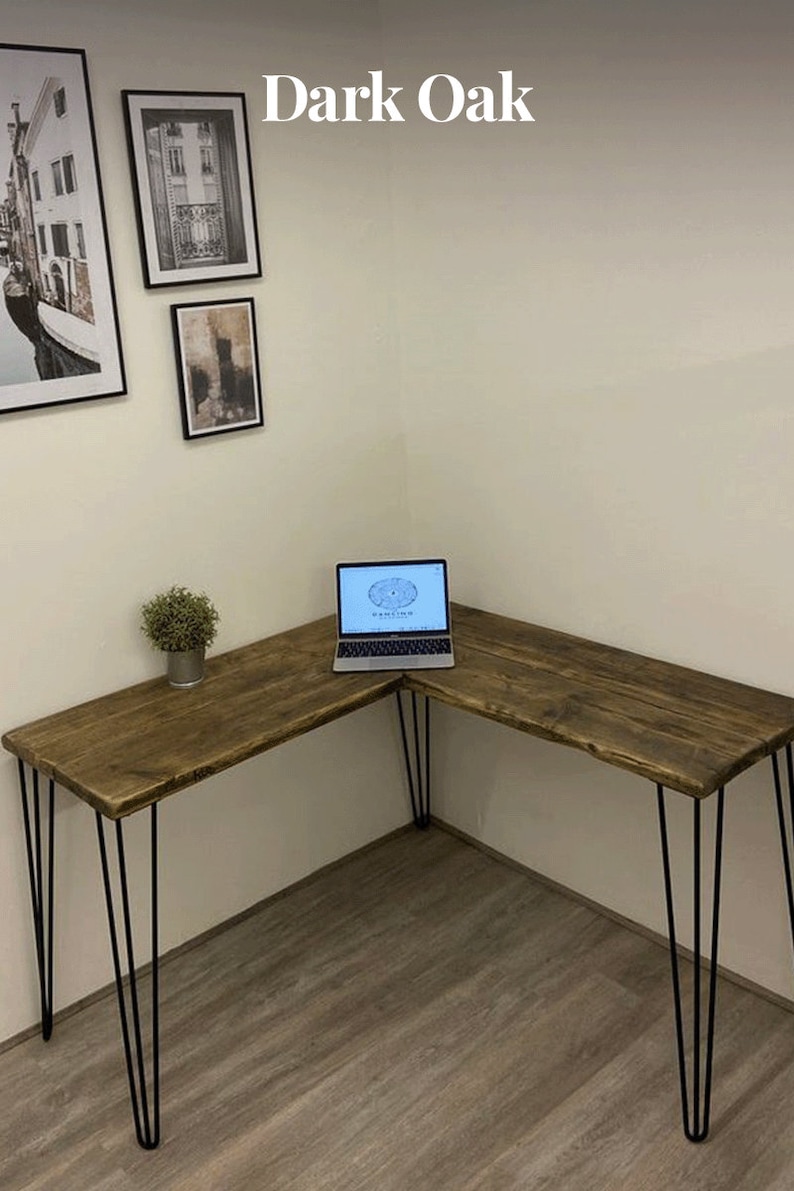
x=194 y=195
x=59 y=330
x=218 y=366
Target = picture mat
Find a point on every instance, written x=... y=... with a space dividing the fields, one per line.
x=136 y=105
x=194 y=324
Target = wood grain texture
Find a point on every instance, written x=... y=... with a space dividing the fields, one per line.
x=421 y=1018
x=123 y=751
x=690 y=731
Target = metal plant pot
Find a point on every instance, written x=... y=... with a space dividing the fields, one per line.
x=186 y=669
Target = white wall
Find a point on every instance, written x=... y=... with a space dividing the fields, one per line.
x=559 y=352
x=104 y=503
x=596 y=314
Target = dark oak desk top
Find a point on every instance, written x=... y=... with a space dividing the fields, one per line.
x=691 y=732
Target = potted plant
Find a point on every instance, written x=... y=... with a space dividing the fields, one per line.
x=182 y=624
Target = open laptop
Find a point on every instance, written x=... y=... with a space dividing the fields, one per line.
x=393 y=615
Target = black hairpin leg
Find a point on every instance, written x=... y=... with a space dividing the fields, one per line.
x=695 y=1108
x=785 y=831
x=146 y=1115
x=42 y=890
x=417 y=758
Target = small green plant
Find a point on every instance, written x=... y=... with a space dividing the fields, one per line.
x=178 y=620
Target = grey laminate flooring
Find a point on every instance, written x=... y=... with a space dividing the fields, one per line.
x=421 y=1018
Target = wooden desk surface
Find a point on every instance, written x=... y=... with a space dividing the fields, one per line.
x=690 y=731
x=123 y=751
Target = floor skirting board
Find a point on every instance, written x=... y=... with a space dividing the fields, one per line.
x=109 y=990
x=598 y=907
x=646 y=932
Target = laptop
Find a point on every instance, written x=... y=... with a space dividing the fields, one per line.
x=393 y=615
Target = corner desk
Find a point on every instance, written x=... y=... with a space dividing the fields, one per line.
x=680 y=729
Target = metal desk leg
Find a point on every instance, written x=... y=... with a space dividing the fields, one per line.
x=785 y=830
x=696 y=1114
x=42 y=892
x=417 y=758
x=147 y=1124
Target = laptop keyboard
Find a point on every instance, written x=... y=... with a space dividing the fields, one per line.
x=388 y=648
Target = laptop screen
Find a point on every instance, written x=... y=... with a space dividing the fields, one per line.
x=392 y=597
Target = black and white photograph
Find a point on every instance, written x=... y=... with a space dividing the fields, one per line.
x=218 y=366
x=191 y=171
x=59 y=332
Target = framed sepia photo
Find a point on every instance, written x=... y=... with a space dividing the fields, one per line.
x=194 y=193
x=218 y=366
x=59 y=330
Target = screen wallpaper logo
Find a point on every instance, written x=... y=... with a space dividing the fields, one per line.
x=392 y=597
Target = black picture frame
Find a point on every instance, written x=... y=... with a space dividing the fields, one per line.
x=217 y=358
x=60 y=340
x=194 y=195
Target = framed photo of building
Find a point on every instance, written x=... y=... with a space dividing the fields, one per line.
x=218 y=366
x=59 y=331
x=194 y=195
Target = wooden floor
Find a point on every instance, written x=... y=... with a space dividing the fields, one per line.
x=421 y=1018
